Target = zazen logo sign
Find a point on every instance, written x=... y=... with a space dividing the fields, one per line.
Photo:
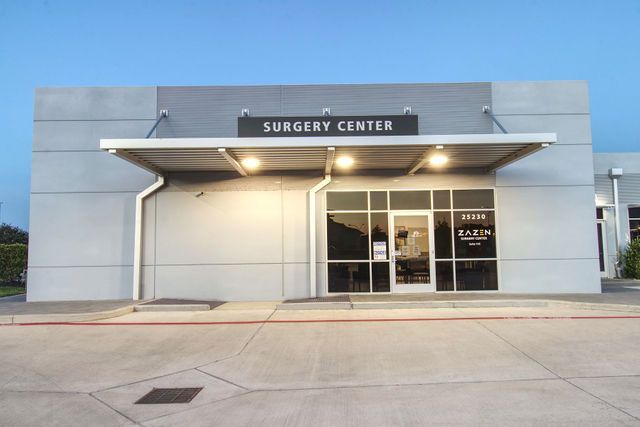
x=470 y=234
x=405 y=124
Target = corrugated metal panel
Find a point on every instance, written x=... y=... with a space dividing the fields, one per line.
x=212 y=111
x=442 y=108
x=398 y=157
x=604 y=189
x=629 y=188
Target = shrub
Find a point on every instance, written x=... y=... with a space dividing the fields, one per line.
x=10 y=234
x=631 y=260
x=13 y=260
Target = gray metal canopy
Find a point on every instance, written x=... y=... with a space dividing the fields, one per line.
x=409 y=153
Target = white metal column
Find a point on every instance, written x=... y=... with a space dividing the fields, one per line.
x=137 y=243
x=312 y=233
x=614 y=174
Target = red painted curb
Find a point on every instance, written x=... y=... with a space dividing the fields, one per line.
x=255 y=322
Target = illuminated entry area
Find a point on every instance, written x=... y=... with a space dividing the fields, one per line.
x=411 y=241
x=412 y=252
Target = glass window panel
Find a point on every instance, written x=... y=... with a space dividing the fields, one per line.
x=634 y=228
x=599 y=213
x=474 y=234
x=348 y=277
x=348 y=236
x=347 y=201
x=444 y=275
x=378 y=200
x=410 y=199
x=634 y=213
x=380 y=277
x=473 y=199
x=476 y=276
x=379 y=235
x=441 y=199
x=442 y=234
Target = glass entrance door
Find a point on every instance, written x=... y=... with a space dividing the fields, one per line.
x=412 y=261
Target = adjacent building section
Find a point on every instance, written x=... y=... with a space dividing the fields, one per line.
x=547 y=241
x=616 y=174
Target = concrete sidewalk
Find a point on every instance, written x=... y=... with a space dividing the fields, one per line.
x=471 y=366
x=622 y=295
x=619 y=293
x=62 y=311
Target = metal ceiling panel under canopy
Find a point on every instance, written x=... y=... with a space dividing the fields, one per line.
x=251 y=156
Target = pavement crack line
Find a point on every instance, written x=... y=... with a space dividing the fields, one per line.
x=191 y=408
x=553 y=373
x=222 y=379
x=601 y=399
x=197 y=368
x=113 y=409
x=391 y=385
x=142 y=380
x=256 y=333
x=246 y=344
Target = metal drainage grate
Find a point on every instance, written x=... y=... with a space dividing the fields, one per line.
x=169 y=395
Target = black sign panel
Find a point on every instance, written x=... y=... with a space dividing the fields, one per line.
x=405 y=124
x=474 y=234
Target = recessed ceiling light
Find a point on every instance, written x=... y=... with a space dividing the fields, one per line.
x=438 y=160
x=344 y=161
x=250 y=162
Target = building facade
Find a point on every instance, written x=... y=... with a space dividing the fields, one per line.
x=280 y=192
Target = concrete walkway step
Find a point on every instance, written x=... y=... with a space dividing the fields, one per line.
x=448 y=304
x=391 y=305
x=172 y=307
x=64 y=317
x=175 y=304
x=315 y=306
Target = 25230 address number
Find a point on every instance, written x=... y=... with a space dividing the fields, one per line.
x=468 y=216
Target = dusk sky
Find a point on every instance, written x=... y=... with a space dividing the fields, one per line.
x=138 y=43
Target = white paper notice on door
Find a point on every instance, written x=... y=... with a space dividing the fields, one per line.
x=379 y=250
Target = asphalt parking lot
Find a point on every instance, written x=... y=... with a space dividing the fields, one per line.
x=475 y=366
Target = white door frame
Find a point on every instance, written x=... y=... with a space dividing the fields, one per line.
x=417 y=287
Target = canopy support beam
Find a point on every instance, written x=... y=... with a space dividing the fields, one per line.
x=232 y=161
x=422 y=160
x=487 y=110
x=331 y=153
x=163 y=114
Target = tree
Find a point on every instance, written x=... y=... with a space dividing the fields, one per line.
x=10 y=235
x=631 y=259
